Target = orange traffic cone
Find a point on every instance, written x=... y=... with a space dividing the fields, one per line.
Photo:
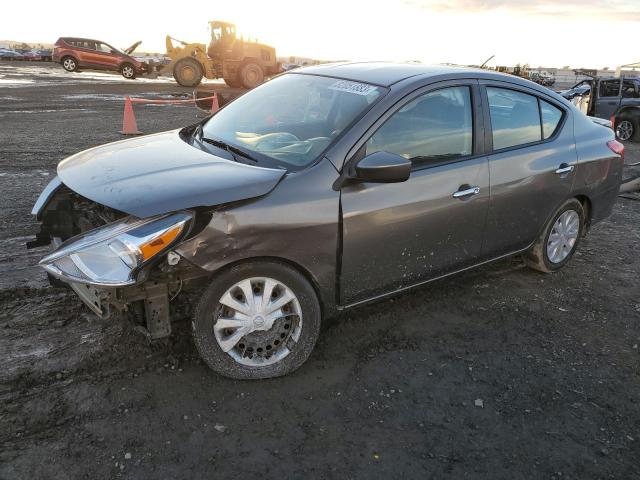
x=129 y=126
x=215 y=106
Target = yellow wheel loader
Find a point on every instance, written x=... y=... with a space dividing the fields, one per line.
x=241 y=63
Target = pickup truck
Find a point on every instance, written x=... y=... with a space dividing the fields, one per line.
x=613 y=98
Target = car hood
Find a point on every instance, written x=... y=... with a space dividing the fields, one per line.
x=161 y=173
x=132 y=48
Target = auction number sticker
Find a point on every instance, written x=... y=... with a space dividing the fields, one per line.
x=352 y=87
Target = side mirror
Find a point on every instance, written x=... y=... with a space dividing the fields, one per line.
x=383 y=167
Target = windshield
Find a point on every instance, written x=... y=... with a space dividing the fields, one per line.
x=291 y=119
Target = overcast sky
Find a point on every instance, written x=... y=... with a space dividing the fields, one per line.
x=579 y=33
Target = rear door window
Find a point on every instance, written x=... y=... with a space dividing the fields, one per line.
x=435 y=127
x=609 y=88
x=515 y=119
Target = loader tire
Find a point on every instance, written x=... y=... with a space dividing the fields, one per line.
x=251 y=75
x=188 y=72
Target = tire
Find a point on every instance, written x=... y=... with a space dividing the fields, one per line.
x=538 y=256
x=627 y=129
x=69 y=63
x=188 y=72
x=128 y=71
x=247 y=355
x=251 y=75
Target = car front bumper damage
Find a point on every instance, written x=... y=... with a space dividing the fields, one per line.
x=60 y=212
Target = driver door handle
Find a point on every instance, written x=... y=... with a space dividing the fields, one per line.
x=466 y=192
x=564 y=168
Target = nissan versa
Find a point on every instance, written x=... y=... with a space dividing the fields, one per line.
x=325 y=188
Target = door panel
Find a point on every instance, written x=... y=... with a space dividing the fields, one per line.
x=608 y=98
x=105 y=58
x=401 y=234
x=86 y=52
x=528 y=183
x=397 y=235
x=525 y=191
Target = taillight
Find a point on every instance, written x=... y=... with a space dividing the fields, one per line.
x=616 y=147
x=613 y=122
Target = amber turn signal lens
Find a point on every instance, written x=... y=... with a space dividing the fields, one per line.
x=152 y=247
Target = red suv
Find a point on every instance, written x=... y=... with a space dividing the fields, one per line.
x=76 y=53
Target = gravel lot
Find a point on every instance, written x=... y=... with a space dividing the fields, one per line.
x=498 y=373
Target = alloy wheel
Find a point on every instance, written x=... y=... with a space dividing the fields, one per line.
x=624 y=130
x=69 y=64
x=258 y=321
x=127 y=71
x=563 y=236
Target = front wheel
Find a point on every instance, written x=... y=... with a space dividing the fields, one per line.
x=559 y=240
x=188 y=72
x=127 y=71
x=257 y=320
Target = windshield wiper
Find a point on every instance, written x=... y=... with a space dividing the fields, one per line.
x=229 y=148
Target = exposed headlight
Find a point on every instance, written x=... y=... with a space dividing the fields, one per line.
x=112 y=254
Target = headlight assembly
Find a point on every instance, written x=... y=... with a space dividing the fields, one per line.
x=111 y=255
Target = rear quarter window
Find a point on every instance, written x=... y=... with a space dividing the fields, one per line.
x=551 y=117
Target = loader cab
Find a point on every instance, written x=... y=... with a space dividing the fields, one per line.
x=223 y=36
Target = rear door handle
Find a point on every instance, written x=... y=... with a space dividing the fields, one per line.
x=466 y=192
x=564 y=168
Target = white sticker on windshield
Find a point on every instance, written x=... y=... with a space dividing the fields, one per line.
x=352 y=87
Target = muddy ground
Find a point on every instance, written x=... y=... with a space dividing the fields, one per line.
x=498 y=373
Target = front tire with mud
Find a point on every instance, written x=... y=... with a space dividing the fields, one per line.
x=188 y=72
x=559 y=240
x=259 y=319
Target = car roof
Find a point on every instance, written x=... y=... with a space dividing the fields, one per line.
x=386 y=74
x=83 y=39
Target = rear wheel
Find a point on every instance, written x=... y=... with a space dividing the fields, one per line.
x=127 y=71
x=188 y=72
x=559 y=240
x=251 y=75
x=626 y=128
x=257 y=320
x=69 y=64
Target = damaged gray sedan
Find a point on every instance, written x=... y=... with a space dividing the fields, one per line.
x=323 y=189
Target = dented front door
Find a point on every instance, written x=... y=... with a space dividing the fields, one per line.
x=396 y=235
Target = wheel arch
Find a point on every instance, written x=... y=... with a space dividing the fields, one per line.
x=628 y=110
x=326 y=307
x=588 y=210
x=195 y=59
x=69 y=55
